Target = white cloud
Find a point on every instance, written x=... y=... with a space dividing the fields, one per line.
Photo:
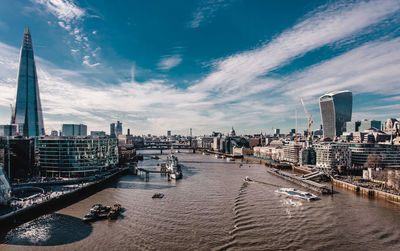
x=238 y=90
x=65 y=10
x=206 y=10
x=169 y=62
x=333 y=24
x=86 y=62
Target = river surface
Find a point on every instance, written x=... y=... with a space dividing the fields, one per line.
x=212 y=208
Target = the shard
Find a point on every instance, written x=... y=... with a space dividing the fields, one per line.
x=27 y=113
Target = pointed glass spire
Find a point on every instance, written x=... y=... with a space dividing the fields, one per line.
x=28 y=115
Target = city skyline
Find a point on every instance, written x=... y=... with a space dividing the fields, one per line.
x=152 y=79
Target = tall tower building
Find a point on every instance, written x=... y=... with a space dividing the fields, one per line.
x=28 y=115
x=112 y=130
x=118 y=129
x=336 y=109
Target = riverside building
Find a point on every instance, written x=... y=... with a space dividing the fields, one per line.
x=330 y=155
x=76 y=156
x=390 y=154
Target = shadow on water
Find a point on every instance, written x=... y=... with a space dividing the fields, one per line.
x=48 y=230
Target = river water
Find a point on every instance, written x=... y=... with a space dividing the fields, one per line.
x=212 y=208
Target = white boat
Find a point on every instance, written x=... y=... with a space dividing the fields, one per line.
x=217 y=156
x=229 y=159
x=292 y=192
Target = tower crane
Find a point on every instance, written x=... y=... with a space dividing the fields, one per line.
x=309 y=117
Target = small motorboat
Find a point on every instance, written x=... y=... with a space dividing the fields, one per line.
x=247 y=179
x=115 y=211
x=158 y=196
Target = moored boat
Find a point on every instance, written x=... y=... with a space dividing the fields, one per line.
x=292 y=192
x=174 y=168
x=158 y=196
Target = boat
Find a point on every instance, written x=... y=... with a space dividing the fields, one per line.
x=97 y=212
x=217 y=156
x=292 y=192
x=114 y=212
x=247 y=179
x=155 y=157
x=230 y=159
x=158 y=196
x=173 y=167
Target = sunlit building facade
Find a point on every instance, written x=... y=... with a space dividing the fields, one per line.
x=336 y=109
x=76 y=156
x=27 y=113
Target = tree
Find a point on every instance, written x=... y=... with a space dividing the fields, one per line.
x=374 y=161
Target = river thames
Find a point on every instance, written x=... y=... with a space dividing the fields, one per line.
x=212 y=208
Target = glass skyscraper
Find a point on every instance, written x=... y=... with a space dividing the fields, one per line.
x=336 y=109
x=27 y=113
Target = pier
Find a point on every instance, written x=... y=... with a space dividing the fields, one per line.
x=301 y=181
x=147 y=172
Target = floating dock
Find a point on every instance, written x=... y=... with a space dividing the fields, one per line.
x=301 y=181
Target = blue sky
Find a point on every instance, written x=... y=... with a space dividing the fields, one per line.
x=206 y=65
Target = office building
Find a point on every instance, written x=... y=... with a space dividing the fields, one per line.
x=118 y=129
x=5 y=188
x=368 y=124
x=390 y=154
x=169 y=133
x=74 y=130
x=98 y=133
x=336 y=109
x=76 y=156
x=353 y=126
x=277 y=132
x=54 y=133
x=27 y=112
x=112 y=130
x=8 y=130
x=22 y=157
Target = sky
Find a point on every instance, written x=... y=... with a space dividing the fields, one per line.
x=207 y=65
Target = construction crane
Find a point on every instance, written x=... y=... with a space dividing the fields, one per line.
x=296 y=137
x=309 y=117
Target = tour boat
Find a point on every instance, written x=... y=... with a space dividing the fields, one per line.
x=292 y=192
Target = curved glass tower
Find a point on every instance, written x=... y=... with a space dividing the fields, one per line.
x=27 y=114
x=336 y=109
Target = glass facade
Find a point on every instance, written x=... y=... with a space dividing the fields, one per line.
x=76 y=156
x=74 y=130
x=28 y=113
x=5 y=188
x=336 y=109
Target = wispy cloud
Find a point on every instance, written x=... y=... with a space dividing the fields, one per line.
x=206 y=10
x=65 y=10
x=321 y=28
x=87 y=63
x=239 y=88
x=169 y=62
x=70 y=16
